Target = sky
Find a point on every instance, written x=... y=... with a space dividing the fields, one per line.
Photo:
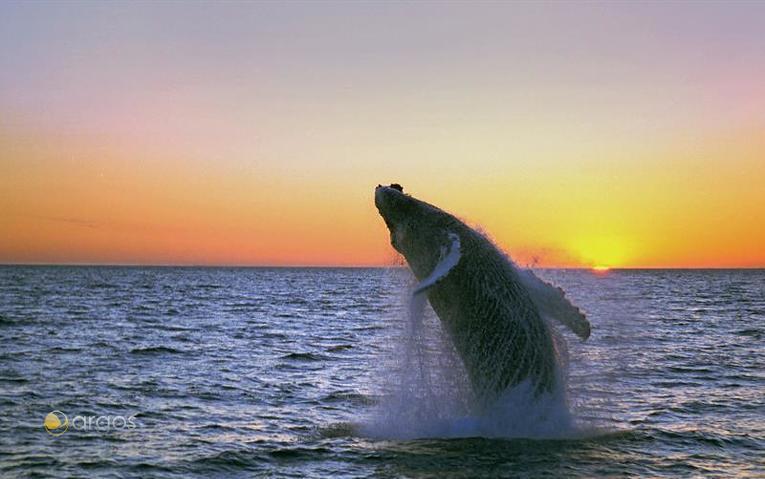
x=574 y=134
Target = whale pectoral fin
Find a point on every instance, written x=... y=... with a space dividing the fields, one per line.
x=450 y=256
x=552 y=303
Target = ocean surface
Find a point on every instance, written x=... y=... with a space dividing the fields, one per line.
x=249 y=372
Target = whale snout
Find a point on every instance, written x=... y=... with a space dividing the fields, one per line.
x=388 y=197
x=392 y=186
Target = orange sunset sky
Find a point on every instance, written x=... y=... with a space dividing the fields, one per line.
x=575 y=134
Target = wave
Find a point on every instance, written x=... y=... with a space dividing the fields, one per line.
x=304 y=357
x=339 y=347
x=150 y=350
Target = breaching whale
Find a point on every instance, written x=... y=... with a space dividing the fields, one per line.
x=495 y=314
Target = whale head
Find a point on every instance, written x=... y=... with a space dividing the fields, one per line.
x=418 y=230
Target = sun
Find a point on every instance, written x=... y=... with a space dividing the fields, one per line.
x=601 y=252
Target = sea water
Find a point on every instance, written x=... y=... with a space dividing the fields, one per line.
x=227 y=372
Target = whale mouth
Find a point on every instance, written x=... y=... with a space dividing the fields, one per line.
x=383 y=203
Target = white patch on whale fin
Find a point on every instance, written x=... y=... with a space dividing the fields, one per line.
x=450 y=256
x=552 y=304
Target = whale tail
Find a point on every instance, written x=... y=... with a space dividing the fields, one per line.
x=552 y=304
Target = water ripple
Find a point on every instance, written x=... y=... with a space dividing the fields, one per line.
x=272 y=372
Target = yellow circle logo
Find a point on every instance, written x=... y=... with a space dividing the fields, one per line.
x=56 y=423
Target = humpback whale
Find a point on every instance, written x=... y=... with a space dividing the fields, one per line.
x=496 y=315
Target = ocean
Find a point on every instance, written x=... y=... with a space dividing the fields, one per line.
x=283 y=372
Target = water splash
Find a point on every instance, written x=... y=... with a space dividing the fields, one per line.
x=427 y=392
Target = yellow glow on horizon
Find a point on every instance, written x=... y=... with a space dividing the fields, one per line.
x=100 y=204
x=603 y=250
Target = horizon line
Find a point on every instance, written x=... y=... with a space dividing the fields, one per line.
x=361 y=266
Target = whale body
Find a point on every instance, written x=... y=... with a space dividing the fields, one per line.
x=496 y=315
